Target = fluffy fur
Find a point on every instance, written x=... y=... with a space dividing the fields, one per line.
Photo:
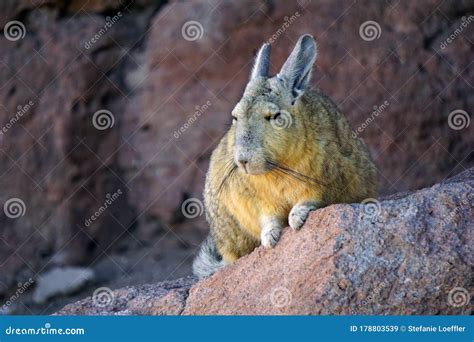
x=288 y=151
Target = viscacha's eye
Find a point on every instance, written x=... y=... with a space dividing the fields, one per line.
x=281 y=120
x=275 y=116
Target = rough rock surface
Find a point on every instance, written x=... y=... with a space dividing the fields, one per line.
x=410 y=254
x=52 y=157
x=165 y=298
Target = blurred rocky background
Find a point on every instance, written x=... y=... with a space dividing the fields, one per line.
x=109 y=111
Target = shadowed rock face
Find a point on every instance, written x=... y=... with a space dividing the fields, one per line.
x=52 y=157
x=408 y=254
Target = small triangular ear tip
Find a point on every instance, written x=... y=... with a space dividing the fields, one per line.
x=307 y=41
x=265 y=50
x=262 y=61
x=306 y=37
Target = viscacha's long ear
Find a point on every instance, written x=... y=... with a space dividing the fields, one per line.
x=262 y=62
x=296 y=72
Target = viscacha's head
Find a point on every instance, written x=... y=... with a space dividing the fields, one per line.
x=265 y=120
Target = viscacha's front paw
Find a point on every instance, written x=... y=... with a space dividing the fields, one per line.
x=270 y=237
x=299 y=213
x=271 y=231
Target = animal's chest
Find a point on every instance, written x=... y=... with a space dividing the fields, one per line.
x=265 y=196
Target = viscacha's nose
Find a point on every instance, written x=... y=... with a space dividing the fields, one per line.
x=242 y=162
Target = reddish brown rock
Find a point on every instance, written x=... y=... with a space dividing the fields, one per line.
x=166 y=298
x=409 y=255
x=397 y=257
x=52 y=158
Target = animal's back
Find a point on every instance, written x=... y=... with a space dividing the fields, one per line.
x=343 y=160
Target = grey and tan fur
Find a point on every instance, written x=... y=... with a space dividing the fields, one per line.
x=289 y=151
